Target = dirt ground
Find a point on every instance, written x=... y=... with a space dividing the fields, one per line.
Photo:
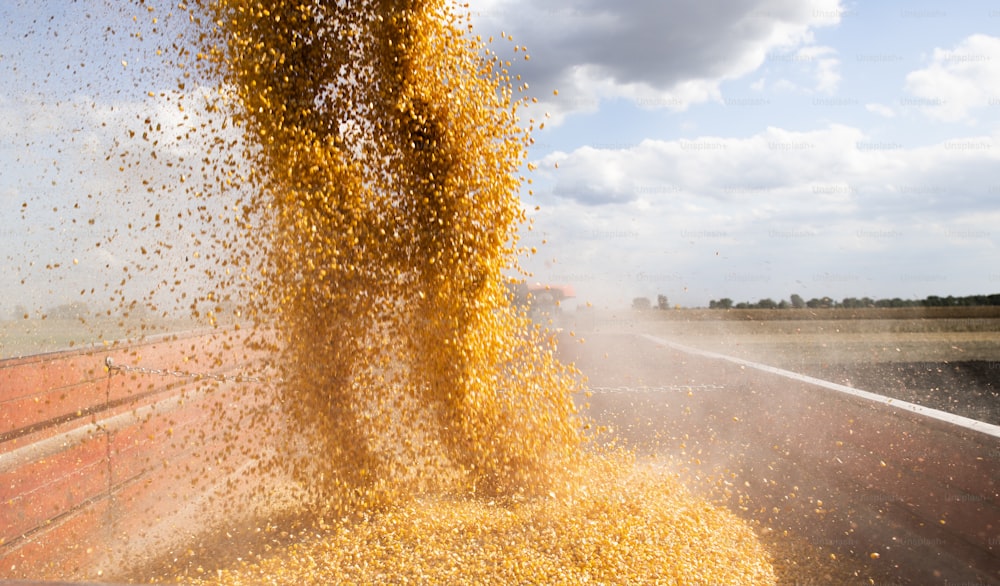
x=968 y=388
x=846 y=491
x=950 y=362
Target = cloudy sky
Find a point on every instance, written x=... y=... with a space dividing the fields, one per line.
x=700 y=150
x=759 y=148
x=102 y=190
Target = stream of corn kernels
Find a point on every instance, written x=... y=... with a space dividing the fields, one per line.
x=436 y=435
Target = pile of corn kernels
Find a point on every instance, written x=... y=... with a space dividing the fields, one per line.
x=624 y=529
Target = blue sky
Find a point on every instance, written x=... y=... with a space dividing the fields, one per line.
x=98 y=143
x=741 y=149
x=762 y=148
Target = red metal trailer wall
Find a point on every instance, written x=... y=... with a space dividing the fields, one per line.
x=93 y=459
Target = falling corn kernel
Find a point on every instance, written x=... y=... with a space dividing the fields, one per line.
x=426 y=425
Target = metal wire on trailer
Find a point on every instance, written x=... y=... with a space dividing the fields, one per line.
x=109 y=363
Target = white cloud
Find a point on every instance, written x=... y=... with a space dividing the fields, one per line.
x=881 y=110
x=837 y=165
x=824 y=212
x=958 y=81
x=785 y=85
x=808 y=69
x=827 y=72
x=655 y=53
x=92 y=190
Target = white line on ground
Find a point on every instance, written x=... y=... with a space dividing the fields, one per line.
x=965 y=422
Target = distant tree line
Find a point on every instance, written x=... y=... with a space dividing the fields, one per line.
x=796 y=302
x=74 y=310
x=643 y=303
x=79 y=310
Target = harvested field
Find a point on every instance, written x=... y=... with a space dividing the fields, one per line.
x=828 y=313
